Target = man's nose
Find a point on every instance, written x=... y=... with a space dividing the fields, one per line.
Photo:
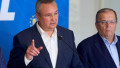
x=108 y=24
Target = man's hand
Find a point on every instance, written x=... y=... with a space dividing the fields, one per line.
x=32 y=51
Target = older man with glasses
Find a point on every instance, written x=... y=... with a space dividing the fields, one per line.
x=102 y=50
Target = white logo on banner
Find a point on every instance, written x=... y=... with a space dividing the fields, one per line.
x=4 y=14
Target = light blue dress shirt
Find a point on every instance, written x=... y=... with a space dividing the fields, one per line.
x=113 y=50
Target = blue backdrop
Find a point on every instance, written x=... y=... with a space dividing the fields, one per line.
x=17 y=15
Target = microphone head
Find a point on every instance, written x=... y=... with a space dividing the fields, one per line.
x=60 y=37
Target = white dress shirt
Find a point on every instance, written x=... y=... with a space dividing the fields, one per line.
x=50 y=43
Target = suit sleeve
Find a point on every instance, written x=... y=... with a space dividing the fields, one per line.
x=2 y=61
x=17 y=55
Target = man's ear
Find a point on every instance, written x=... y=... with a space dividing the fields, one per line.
x=96 y=25
x=37 y=16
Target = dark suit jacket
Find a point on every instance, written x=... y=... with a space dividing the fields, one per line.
x=2 y=61
x=66 y=57
x=95 y=52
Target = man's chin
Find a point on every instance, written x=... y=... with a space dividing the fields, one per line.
x=53 y=27
x=109 y=36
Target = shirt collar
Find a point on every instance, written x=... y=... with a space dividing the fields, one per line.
x=106 y=41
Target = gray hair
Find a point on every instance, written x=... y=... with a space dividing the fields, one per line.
x=39 y=2
x=105 y=10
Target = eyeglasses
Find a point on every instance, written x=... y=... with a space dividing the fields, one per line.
x=103 y=22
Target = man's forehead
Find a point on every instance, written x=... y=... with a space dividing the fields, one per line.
x=106 y=14
x=46 y=8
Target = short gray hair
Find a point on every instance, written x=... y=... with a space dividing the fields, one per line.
x=39 y=2
x=105 y=10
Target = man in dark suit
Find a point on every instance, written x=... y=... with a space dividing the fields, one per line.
x=42 y=46
x=2 y=60
x=102 y=50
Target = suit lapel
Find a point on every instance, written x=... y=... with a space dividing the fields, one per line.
x=39 y=42
x=100 y=45
x=60 y=49
x=60 y=54
x=118 y=48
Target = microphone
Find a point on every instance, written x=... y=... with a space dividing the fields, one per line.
x=61 y=38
